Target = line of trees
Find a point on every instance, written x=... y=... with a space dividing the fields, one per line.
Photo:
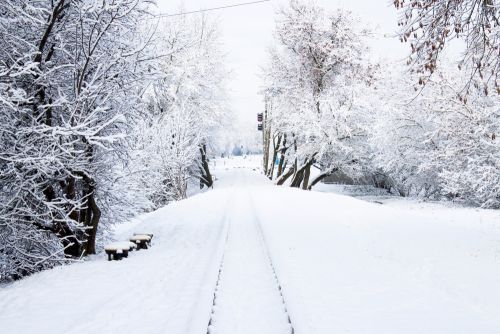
x=186 y=108
x=103 y=113
x=431 y=131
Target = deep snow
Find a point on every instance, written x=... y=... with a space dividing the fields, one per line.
x=344 y=266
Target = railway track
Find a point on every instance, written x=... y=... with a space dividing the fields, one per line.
x=248 y=296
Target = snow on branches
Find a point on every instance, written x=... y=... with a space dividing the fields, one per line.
x=186 y=107
x=327 y=107
x=105 y=112
x=436 y=145
x=430 y=25
x=313 y=78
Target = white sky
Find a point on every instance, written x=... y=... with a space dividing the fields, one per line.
x=247 y=33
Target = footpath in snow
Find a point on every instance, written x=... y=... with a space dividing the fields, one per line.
x=250 y=257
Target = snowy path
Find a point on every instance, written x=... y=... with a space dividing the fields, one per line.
x=248 y=298
x=343 y=266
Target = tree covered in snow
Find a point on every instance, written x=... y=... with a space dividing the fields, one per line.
x=436 y=139
x=315 y=73
x=433 y=143
x=69 y=77
x=326 y=106
x=186 y=107
x=105 y=111
x=430 y=25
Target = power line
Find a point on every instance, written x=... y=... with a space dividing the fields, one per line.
x=212 y=9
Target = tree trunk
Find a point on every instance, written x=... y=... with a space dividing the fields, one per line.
x=206 y=178
x=320 y=177
x=280 y=165
x=285 y=164
x=285 y=176
x=60 y=228
x=282 y=157
x=70 y=192
x=307 y=174
x=303 y=172
x=297 y=180
x=92 y=213
x=67 y=237
x=276 y=146
x=92 y=224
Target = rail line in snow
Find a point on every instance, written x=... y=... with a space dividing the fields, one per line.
x=248 y=234
x=273 y=268
x=217 y=284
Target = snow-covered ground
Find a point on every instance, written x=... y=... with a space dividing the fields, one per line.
x=250 y=257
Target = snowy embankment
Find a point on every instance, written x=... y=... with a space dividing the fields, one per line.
x=344 y=266
x=167 y=288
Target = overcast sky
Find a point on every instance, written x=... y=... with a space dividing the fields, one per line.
x=247 y=33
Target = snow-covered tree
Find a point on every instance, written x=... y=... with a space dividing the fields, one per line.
x=69 y=77
x=186 y=108
x=430 y=25
x=433 y=143
x=315 y=72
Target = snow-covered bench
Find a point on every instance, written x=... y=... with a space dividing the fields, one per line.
x=119 y=250
x=141 y=240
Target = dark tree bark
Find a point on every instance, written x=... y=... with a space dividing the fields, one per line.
x=303 y=173
x=206 y=179
x=321 y=177
x=276 y=146
x=91 y=215
x=282 y=157
x=61 y=229
x=45 y=53
x=285 y=176
x=307 y=174
x=297 y=179
x=93 y=218
x=54 y=17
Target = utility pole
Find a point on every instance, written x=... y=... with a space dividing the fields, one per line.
x=266 y=133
